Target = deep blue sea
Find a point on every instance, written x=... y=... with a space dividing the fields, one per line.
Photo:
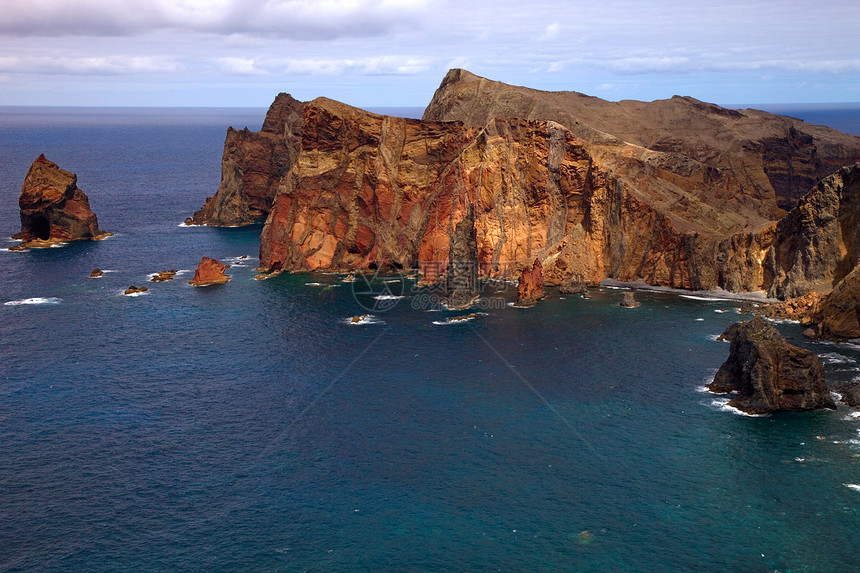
x=251 y=427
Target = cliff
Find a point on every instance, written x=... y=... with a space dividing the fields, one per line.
x=341 y=188
x=53 y=209
x=767 y=155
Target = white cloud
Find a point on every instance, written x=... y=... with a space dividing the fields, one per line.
x=552 y=31
x=241 y=66
x=385 y=65
x=87 y=65
x=555 y=67
x=298 y=19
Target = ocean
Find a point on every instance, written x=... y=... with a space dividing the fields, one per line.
x=253 y=426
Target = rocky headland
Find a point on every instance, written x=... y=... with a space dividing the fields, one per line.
x=674 y=193
x=53 y=209
x=767 y=374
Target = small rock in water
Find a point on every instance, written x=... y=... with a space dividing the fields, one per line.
x=629 y=301
x=96 y=273
x=134 y=289
x=162 y=276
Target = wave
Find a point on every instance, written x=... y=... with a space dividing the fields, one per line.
x=132 y=294
x=389 y=296
x=853 y=486
x=699 y=320
x=836 y=358
x=458 y=319
x=34 y=300
x=314 y=284
x=723 y=404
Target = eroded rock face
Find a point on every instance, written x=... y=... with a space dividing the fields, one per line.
x=209 y=272
x=530 y=286
x=462 y=279
x=818 y=242
x=53 y=209
x=768 y=374
x=756 y=153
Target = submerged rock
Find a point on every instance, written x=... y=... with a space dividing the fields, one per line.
x=209 y=272
x=768 y=374
x=530 y=286
x=53 y=209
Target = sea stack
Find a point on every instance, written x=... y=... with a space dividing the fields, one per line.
x=769 y=374
x=530 y=286
x=209 y=272
x=53 y=209
x=629 y=301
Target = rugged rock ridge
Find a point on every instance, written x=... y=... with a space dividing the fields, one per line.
x=53 y=209
x=768 y=374
x=530 y=286
x=771 y=156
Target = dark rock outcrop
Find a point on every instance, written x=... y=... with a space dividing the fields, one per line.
x=53 y=209
x=769 y=374
x=135 y=290
x=209 y=272
x=96 y=273
x=530 y=286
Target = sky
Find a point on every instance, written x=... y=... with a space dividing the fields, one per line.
x=241 y=53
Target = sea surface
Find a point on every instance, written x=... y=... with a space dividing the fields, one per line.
x=253 y=426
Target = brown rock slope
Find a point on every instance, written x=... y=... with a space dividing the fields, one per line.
x=53 y=209
x=767 y=155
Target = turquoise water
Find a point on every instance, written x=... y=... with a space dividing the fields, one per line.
x=251 y=426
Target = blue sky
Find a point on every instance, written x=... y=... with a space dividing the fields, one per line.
x=395 y=52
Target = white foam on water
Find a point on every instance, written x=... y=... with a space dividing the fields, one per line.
x=615 y=287
x=723 y=404
x=132 y=294
x=699 y=320
x=314 y=284
x=389 y=297
x=836 y=358
x=707 y=298
x=363 y=319
x=453 y=320
x=853 y=486
x=720 y=310
x=34 y=300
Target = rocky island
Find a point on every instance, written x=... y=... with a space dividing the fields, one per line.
x=53 y=209
x=767 y=374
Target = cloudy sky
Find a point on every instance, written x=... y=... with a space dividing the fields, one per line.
x=395 y=52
